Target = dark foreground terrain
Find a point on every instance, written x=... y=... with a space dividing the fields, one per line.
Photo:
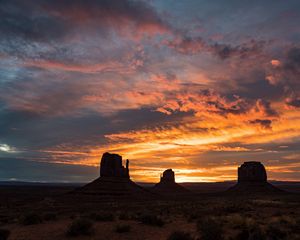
x=51 y=212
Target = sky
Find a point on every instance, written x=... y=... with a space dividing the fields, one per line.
x=198 y=86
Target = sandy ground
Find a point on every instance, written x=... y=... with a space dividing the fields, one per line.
x=281 y=211
x=103 y=230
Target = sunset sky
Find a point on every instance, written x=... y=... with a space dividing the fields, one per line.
x=198 y=86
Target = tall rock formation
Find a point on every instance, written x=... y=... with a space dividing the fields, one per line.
x=168 y=176
x=252 y=172
x=111 y=166
x=252 y=179
x=114 y=180
x=168 y=187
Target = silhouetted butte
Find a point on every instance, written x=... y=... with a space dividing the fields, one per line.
x=114 y=179
x=168 y=187
x=252 y=179
x=111 y=166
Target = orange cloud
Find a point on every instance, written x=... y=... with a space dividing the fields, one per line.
x=112 y=66
x=275 y=62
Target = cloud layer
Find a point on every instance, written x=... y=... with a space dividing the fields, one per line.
x=179 y=86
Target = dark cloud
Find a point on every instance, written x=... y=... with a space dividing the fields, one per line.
x=27 y=20
x=285 y=71
x=264 y=123
x=48 y=20
x=238 y=107
x=51 y=97
x=26 y=170
x=293 y=102
x=27 y=130
x=44 y=29
x=285 y=146
x=107 y=12
x=258 y=87
x=30 y=131
x=293 y=60
x=265 y=108
x=224 y=51
x=189 y=45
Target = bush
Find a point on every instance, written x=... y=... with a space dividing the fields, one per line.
x=209 y=229
x=151 y=220
x=102 y=217
x=122 y=228
x=193 y=216
x=80 y=226
x=179 y=235
x=252 y=232
x=124 y=216
x=50 y=217
x=235 y=208
x=296 y=227
x=31 y=219
x=276 y=232
x=256 y=233
x=236 y=221
x=242 y=235
x=4 y=234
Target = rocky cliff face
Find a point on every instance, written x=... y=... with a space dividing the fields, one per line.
x=252 y=172
x=111 y=166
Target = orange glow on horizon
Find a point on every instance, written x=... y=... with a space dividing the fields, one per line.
x=184 y=147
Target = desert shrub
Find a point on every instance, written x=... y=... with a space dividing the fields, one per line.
x=179 y=235
x=150 y=219
x=122 y=228
x=209 y=229
x=234 y=207
x=287 y=221
x=4 y=234
x=194 y=215
x=281 y=227
x=252 y=231
x=236 y=221
x=80 y=226
x=277 y=213
x=256 y=233
x=296 y=227
x=124 y=216
x=243 y=234
x=31 y=219
x=50 y=217
x=102 y=217
x=276 y=232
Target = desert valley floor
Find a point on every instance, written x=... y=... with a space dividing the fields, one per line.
x=47 y=212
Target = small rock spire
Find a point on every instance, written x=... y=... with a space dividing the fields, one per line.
x=127 y=168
